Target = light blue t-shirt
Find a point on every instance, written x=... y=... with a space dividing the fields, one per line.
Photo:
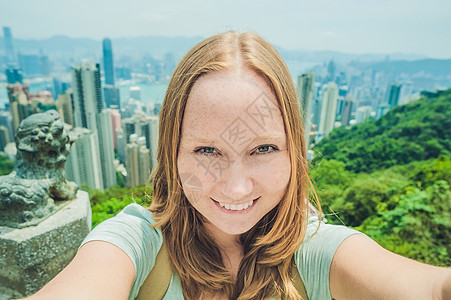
x=130 y=231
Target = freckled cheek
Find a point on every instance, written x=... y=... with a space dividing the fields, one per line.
x=202 y=172
x=274 y=174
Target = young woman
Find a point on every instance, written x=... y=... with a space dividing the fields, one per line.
x=229 y=200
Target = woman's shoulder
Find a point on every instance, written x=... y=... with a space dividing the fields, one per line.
x=132 y=226
x=315 y=255
x=131 y=230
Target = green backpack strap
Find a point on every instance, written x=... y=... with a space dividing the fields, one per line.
x=298 y=283
x=157 y=282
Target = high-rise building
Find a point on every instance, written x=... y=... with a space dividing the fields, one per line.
x=137 y=161
x=8 y=38
x=106 y=147
x=328 y=109
x=382 y=110
x=19 y=105
x=7 y=121
x=83 y=163
x=305 y=94
x=363 y=113
x=144 y=165
x=13 y=76
x=154 y=122
x=120 y=145
x=405 y=93
x=346 y=110
x=87 y=94
x=64 y=106
x=89 y=113
x=112 y=96
x=4 y=137
x=116 y=124
x=393 y=98
x=108 y=65
x=143 y=126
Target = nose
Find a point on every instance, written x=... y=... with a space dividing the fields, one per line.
x=237 y=182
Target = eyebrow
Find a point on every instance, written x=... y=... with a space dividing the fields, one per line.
x=257 y=139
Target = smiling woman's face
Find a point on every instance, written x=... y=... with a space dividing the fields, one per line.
x=233 y=159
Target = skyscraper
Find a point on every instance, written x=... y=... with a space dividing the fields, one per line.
x=363 y=113
x=305 y=94
x=87 y=94
x=106 y=147
x=112 y=96
x=83 y=163
x=89 y=113
x=19 y=104
x=64 y=107
x=116 y=124
x=7 y=121
x=8 y=38
x=137 y=161
x=346 y=111
x=393 y=97
x=14 y=75
x=328 y=109
x=4 y=137
x=108 y=65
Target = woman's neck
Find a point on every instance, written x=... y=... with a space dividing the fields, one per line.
x=230 y=248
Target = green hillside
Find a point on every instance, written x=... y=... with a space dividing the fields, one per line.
x=417 y=131
x=391 y=179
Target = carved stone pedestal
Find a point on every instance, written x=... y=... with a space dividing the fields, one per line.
x=32 y=256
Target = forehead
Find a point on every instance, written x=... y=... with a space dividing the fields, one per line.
x=238 y=99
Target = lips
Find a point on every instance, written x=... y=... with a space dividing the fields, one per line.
x=236 y=207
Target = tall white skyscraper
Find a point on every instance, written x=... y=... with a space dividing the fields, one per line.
x=137 y=161
x=89 y=113
x=121 y=143
x=304 y=89
x=83 y=163
x=87 y=94
x=154 y=122
x=362 y=113
x=328 y=109
x=106 y=147
x=64 y=107
x=8 y=41
x=143 y=126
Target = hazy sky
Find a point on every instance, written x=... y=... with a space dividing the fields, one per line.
x=354 y=26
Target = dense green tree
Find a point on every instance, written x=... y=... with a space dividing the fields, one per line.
x=417 y=131
x=6 y=165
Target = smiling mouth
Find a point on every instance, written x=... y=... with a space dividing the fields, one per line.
x=236 y=207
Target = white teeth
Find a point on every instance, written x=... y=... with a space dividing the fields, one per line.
x=237 y=206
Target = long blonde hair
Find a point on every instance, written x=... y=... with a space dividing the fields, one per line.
x=269 y=246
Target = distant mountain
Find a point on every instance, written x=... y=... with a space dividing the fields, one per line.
x=159 y=45
x=154 y=45
x=430 y=66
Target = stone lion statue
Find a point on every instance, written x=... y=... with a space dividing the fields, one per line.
x=28 y=194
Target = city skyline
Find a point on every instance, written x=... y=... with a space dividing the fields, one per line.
x=351 y=26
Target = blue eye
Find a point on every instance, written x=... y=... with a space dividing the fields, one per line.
x=208 y=151
x=264 y=149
